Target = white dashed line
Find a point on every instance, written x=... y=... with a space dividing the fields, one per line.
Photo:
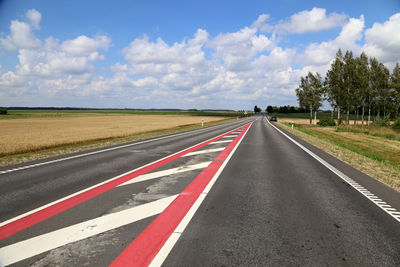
x=387 y=208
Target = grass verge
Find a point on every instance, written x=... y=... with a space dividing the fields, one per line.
x=372 y=155
x=85 y=145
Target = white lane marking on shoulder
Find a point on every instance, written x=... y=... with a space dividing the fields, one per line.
x=42 y=243
x=96 y=185
x=159 y=174
x=344 y=177
x=170 y=243
x=105 y=150
x=223 y=141
x=204 y=151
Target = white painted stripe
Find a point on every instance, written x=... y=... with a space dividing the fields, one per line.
x=170 y=243
x=89 y=188
x=222 y=141
x=341 y=175
x=204 y=151
x=159 y=174
x=39 y=244
x=107 y=149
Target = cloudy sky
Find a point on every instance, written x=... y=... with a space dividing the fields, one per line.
x=181 y=54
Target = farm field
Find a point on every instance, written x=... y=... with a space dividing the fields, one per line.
x=25 y=114
x=374 y=150
x=24 y=136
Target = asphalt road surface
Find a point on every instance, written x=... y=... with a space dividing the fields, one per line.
x=244 y=193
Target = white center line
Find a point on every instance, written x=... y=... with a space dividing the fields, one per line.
x=158 y=174
x=39 y=244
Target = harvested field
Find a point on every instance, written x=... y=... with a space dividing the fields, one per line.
x=26 y=135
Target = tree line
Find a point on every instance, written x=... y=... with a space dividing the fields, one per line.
x=359 y=85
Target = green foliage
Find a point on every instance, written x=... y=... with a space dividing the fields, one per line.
x=257 y=109
x=270 y=109
x=326 y=122
x=382 y=121
x=3 y=111
x=396 y=124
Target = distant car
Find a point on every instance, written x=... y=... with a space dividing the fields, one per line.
x=273 y=118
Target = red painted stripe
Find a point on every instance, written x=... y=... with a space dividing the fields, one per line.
x=41 y=215
x=146 y=246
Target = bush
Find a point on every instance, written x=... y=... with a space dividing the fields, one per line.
x=381 y=121
x=396 y=124
x=3 y=111
x=326 y=122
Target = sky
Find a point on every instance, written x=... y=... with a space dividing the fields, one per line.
x=181 y=54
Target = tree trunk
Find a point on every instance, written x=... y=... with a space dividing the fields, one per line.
x=369 y=114
x=347 y=116
x=315 y=117
x=356 y=116
x=332 y=110
x=362 y=116
x=338 y=114
x=310 y=114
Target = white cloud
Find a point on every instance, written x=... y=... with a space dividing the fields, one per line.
x=383 y=40
x=21 y=37
x=84 y=46
x=322 y=53
x=313 y=20
x=238 y=49
x=231 y=70
x=34 y=17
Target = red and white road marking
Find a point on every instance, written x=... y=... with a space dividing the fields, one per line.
x=159 y=235
x=28 y=219
x=181 y=209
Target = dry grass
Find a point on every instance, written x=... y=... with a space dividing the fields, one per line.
x=27 y=135
x=375 y=156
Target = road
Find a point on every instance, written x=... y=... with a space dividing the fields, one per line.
x=244 y=193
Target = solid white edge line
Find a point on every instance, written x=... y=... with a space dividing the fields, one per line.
x=171 y=241
x=341 y=175
x=39 y=244
x=107 y=149
x=96 y=185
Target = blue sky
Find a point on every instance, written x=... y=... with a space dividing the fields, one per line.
x=181 y=54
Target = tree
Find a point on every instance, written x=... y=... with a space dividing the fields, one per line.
x=350 y=92
x=334 y=83
x=362 y=83
x=379 y=82
x=309 y=93
x=257 y=109
x=270 y=109
x=395 y=88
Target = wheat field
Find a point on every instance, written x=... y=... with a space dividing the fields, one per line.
x=26 y=135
